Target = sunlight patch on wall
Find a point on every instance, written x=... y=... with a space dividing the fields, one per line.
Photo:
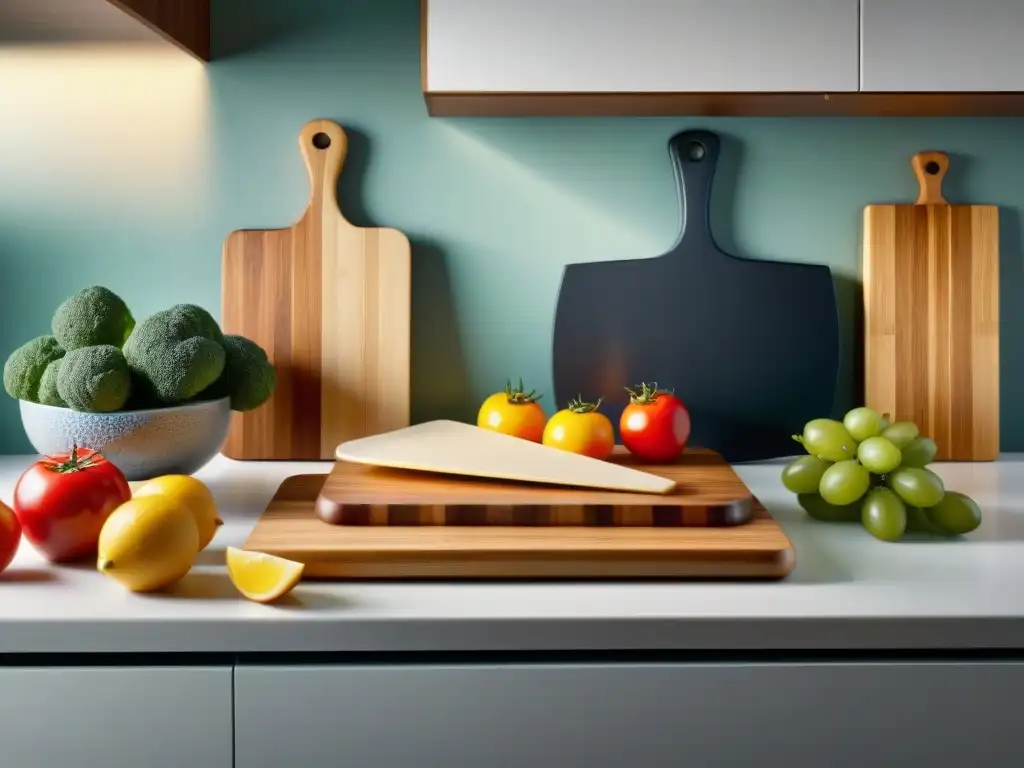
x=130 y=123
x=572 y=229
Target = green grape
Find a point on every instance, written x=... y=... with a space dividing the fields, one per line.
x=919 y=452
x=803 y=474
x=884 y=514
x=917 y=487
x=844 y=482
x=863 y=423
x=885 y=421
x=917 y=520
x=956 y=514
x=878 y=455
x=900 y=433
x=821 y=510
x=827 y=439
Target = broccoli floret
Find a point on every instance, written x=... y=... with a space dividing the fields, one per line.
x=94 y=379
x=248 y=379
x=48 y=394
x=176 y=353
x=184 y=321
x=25 y=366
x=93 y=316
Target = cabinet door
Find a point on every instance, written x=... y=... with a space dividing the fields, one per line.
x=116 y=717
x=643 y=715
x=942 y=45
x=641 y=46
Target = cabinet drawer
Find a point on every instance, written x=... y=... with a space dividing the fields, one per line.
x=115 y=717
x=644 y=715
x=942 y=45
x=640 y=46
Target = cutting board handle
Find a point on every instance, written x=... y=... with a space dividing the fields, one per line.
x=930 y=169
x=324 y=145
x=694 y=157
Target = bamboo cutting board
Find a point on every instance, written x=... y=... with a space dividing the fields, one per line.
x=931 y=316
x=290 y=528
x=330 y=303
x=706 y=492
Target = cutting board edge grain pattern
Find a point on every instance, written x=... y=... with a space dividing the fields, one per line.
x=330 y=302
x=454 y=447
x=931 y=316
x=289 y=528
x=708 y=493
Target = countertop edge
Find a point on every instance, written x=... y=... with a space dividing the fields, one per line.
x=726 y=635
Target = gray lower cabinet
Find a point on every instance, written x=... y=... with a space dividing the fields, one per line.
x=115 y=717
x=642 y=716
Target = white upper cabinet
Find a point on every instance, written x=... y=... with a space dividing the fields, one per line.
x=643 y=46
x=942 y=45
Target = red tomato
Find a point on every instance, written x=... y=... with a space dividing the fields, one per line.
x=10 y=535
x=62 y=502
x=655 y=425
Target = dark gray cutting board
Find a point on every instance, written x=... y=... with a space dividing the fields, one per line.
x=750 y=346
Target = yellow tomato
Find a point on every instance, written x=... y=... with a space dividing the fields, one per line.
x=581 y=429
x=513 y=412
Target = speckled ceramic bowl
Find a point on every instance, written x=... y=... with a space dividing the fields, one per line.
x=142 y=444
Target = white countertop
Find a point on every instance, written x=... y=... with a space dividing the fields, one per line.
x=848 y=591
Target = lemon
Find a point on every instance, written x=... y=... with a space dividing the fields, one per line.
x=148 y=543
x=262 y=577
x=194 y=495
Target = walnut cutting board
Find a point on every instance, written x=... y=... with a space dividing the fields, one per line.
x=330 y=303
x=290 y=528
x=931 y=316
x=707 y=492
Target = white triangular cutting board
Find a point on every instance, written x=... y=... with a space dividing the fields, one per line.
x=455 y=448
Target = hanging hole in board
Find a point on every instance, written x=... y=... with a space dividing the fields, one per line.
x=932 y=169
x=695 y=151
x=321 y=140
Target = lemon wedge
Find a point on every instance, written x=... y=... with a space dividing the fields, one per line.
x=262 y=577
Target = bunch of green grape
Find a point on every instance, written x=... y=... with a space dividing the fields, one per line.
x=868 y=469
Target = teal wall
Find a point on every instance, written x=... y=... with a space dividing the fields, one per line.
x=130 y=175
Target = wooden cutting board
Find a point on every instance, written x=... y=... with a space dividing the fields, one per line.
x=290 y=528
x=707 y=492
x=931 y=316
x=455 y=448
x=330 y=303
